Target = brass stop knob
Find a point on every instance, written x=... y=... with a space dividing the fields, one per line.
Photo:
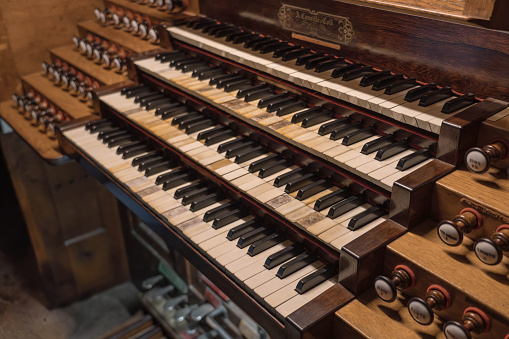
x=473 y=321
x=387 y=289
x=490 y=251
x=479 y=160
x=437 y=298
x=451 y=232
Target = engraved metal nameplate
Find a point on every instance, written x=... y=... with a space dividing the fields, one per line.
x=314 y=24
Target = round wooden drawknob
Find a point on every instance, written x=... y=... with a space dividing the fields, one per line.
x=451 y=232
x=421 y=310
x=473 y=321
x=387 y=289
x=479 y=160
x=490 y=251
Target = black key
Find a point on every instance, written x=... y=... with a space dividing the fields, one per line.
x=151 y=162
x=357 y=73
x=316 y=278
x=134 y=93
x=295 y=264
x=181 y=192
x=169 y=175
x=120 y=140
x=106 y=135
x=365 y=217
x=223 y=82
x=197 y=72
x=312 y=189
x=199 y=65
x=246 y=227
x=303 y=60
x=144 y=102
x=413 y=159
x=318 y=61
x=370 y=79
x=244 y=38
x=233 y=152
x=197 y=21
x=417 y=93
x=295 y=184
x=215 y=79
x=214 y=139
x=208 y=28
x=331 y=126
x=342 y=70
x=146 y=158
x=291 y=107
x=166 y=107
x=261 y=93
x=253 y=236
x=227 y=31
x=249 y=40
x=280 y=257
x=205 y=201
x=265 y=243
x=178 y=180
x=274 y=106
x=459 y=103
x=101 y=127
x=386 y=81
x=298 y=117
x=354 y=137
x=270 y=99
x=229 y=217
x=257 y=46
x=273 y=46
x=160 y=168
x=157 y=103
x=285 y=178
x=187 y=117
x=198 y=126
x=273 y=168
x=98 y=122
x=180 y=64
x=377 y=144
x=435 y=96
x=148 y=95
x=344 y=206
x=243 y=92
x=257 y=165
x=237 y=85
x=330 y=64
x=211 y=132
x=294 y=54
x=230 y=144
x=174 y=58
x=190 y=197
x=176 y=112
x=279 y=53
x=203 y=24
x=392 y=149
x=342 y=131
x=134 y=151
x=400 y=85
x=316 y=119
x=212 y=213
x=212 y=73
x=159 y=56
x=124 y=90
x=232 y=35
x=185 y=122
x=330 y=199
x=249 y=154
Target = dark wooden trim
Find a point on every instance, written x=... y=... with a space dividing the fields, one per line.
x=411 y=195
x=362 y=259
x=459 y=132
x=315 y=319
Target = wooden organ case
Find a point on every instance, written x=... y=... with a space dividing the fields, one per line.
x=313 y=161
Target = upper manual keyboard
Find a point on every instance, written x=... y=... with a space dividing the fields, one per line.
x=424 y=106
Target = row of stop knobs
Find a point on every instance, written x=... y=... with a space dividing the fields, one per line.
x=70 y=80
x=437 y=298
x=489 y=250
x=39 y=112
x=139 y=25
x=110 y=57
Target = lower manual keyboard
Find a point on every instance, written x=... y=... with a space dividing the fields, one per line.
x=279 y=273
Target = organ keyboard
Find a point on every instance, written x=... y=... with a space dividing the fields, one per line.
x=283 y=163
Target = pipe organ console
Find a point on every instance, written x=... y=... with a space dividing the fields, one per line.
x=338 y=169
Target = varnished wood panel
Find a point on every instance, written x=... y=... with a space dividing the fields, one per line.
x=466 y=57
x=73 y=223
x=45 y=147
x=29 y=28
x=489 y=190
x=492 y=129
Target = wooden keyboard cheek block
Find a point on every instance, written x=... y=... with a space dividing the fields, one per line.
x=433 y=263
